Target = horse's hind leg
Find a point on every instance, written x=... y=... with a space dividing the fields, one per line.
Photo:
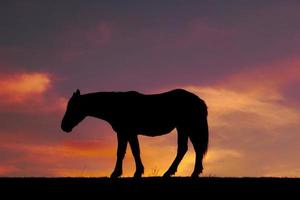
x=199 y=155
x=181 y=150
x=134 y=144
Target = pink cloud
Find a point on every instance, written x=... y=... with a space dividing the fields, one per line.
x=278 y=74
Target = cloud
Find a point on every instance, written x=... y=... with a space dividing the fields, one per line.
x=263 y=107
x=23 y=86
x=275 y=75
x=30 y=92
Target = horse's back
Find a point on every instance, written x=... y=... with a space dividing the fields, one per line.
x=172 y=105
x=177 y=100
x=184 y=100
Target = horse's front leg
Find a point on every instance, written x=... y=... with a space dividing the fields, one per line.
x=122 y=144
x=134 y=144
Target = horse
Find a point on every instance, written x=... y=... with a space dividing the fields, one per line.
x=132 y=113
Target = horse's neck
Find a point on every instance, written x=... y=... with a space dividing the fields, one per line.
x=97 y=104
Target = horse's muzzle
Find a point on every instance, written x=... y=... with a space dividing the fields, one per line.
x=67 y=130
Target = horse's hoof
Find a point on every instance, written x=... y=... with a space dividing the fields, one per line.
x=167 y=175
x=139 y=172
x=115 y=174
x=170 y=172
x=137 y=176
x=112 y=176
x=195 y=175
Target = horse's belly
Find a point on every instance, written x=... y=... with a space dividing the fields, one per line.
x=154 y=133
x=155 y=130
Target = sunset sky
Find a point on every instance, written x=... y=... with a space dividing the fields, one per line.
x=242 y=57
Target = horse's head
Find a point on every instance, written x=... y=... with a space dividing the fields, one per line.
x=74 y=113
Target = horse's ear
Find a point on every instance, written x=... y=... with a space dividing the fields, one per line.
x=77 y=93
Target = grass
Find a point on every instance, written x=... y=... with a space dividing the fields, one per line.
x=151 y=186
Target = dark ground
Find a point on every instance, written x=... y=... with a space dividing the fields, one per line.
x=151 y=187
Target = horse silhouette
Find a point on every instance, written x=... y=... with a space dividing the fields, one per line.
x=131 y=114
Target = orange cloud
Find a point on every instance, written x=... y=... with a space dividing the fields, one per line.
x=30 y=92
x=20 y=87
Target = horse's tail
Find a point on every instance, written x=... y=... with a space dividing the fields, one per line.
x=204 y=130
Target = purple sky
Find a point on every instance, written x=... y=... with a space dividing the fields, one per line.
x=241 y=53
